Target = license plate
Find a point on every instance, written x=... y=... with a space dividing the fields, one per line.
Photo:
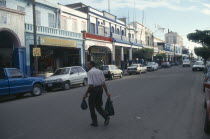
x=49 y=84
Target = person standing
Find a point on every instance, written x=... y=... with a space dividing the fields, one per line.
x=96 y=82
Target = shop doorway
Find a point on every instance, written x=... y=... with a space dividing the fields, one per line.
x=54 y=57
x=100 y=55
x=9 y=41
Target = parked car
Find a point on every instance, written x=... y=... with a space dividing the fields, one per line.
x=198 y=66
x=14 y=82
x=206 y=86
x=111 y=71
x=66 y=77
x=136 y=69
x=152 y=66
x=165 y=65
x=186 y=63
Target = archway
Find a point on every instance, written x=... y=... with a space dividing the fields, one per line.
x=8 y=42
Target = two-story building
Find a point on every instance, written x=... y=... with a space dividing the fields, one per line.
x=59 y=48
x=12 y=39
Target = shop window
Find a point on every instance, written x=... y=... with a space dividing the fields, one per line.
x=20 y=8
x=74 y=25
x=51 y=20
x=38 y=17
x=92 y=28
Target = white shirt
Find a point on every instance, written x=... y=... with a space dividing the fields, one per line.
x=95 y=77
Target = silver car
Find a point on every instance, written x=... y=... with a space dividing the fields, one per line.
x=65 y=77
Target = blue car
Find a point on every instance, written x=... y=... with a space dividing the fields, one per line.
x=14 y=82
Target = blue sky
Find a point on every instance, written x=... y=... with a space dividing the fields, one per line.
x=181 y=16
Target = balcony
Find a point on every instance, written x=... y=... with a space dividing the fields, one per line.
x=53 y=32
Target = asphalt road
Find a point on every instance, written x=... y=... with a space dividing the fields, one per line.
x=167 y=104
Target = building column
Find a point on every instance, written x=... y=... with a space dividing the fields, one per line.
x=122 y=59
x=130 y=56
x=96 y=25
x=113 y=53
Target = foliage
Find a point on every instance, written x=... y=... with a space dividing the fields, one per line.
x=144 y=53
x=161 y=56
x=202 y=37
x=203 y=52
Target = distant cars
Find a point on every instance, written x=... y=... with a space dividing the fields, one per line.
x=111 y=71
x=198 y=66
x=65 y=77
x=165 y=65
x=186 y=63
x=152 y=66
x=136 y=69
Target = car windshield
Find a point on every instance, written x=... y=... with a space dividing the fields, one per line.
x=199 y=63
x=104 y=67
x=150 y=63
x=134 y=65
x=62 y=71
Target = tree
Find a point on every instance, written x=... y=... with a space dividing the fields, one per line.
x=202 y=37
x=161 y=56
x=203 y=52
x=144 y=53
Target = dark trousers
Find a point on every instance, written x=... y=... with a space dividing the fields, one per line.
x=95 y=102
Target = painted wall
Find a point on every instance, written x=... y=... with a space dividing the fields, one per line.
x=14 y=21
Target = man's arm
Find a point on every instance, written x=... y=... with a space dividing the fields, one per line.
x=106 y=90
x=90 y=87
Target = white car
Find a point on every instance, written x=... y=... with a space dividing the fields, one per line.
x=137 y=69
x=186 y=63
x=198 y=65
x=152 y=66
x=65 y=77
x=111 y=71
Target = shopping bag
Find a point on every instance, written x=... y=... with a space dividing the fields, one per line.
x=109 y=107
x=84 y=105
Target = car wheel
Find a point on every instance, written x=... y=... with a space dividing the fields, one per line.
x=37 y=90
x=85 y=82
x=121 y=75
x=207 y=124
x=66 y=86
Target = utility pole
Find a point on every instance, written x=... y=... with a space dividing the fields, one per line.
x=35 y=36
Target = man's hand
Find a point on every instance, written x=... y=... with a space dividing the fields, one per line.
x=108 y=95
x=85 y=96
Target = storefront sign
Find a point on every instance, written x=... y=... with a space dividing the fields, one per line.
x=36 y=52
x=96 y=43
x=57 y=42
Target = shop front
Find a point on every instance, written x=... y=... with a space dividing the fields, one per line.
x=55 y=53
x=98 y=51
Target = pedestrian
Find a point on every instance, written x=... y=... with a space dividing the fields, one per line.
x=96 y=82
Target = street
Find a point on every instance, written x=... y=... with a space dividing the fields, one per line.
x=166 y=104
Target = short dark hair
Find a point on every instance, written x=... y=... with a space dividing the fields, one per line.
x=92 y=63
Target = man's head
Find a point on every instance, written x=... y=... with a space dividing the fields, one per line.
x=90 y=65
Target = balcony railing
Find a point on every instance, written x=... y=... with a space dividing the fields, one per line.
x=53 y=32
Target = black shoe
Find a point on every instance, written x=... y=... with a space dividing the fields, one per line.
x=94 y=124
x=106 y=122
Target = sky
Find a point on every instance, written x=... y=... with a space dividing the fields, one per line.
x=181 y=16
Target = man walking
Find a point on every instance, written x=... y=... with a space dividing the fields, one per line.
x=96 y=83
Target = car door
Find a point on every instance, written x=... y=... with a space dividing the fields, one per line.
x=4 y=83
x=74 y=75
x=118 y=72
x=17 y=81
x=112 y=70
x=82 y=74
